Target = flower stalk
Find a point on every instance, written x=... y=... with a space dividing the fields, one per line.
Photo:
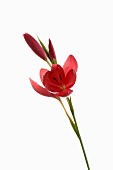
x=47 y=61
x=71 y=121
x=79 y=136
x=58 y=81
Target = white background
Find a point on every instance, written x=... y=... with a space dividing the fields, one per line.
x=35 y=133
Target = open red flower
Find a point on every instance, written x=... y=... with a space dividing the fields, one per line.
x=58 y=81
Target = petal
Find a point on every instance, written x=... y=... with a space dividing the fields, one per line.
x=65 y=93
x=35 y=46
x=52 y=54
x=69 y=64
x=42 y=72
x=70 y=79
x=41 y=90
x=58 y=73
x=54 y=79
x=50 y=83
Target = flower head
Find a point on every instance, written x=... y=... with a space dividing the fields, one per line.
x=58 y=81
x=35 y=46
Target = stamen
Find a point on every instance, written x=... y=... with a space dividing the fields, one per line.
x=60 y=77
x=60 y=84
x=55 y=79
x=62 y=87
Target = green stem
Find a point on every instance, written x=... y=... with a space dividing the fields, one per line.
x=83 y=149
x=48 y=62
x=79 y=136
x=85 y=156
x=71 y=121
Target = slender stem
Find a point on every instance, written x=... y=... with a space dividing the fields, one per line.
x=83 y=149
x=79 y=136
x=71 y=121
x=63 y=106
x=84 y=152
x=48 y=63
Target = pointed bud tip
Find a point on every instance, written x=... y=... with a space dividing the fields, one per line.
x=35 y=46
x=52 y=54
x=25 y=34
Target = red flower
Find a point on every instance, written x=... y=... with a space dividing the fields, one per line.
x=59 y=80
x=35 y=46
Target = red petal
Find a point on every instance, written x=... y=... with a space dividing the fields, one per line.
x=41 y=90
x=69 y=64
x=42 y=73
x=53 y=79
x=70 y=79
x=65 y=93
x=49 y=83
x=58 y=73
x=52 y=54
x=35 y=46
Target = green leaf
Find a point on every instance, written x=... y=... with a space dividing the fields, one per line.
x=74 y=126
x=43 y=46
x=71 y=106
x=72 y=111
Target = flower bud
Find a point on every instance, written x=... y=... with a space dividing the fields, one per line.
x=35 y=46
x=52 y=54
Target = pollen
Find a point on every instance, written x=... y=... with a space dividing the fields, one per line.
x=62 y=87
